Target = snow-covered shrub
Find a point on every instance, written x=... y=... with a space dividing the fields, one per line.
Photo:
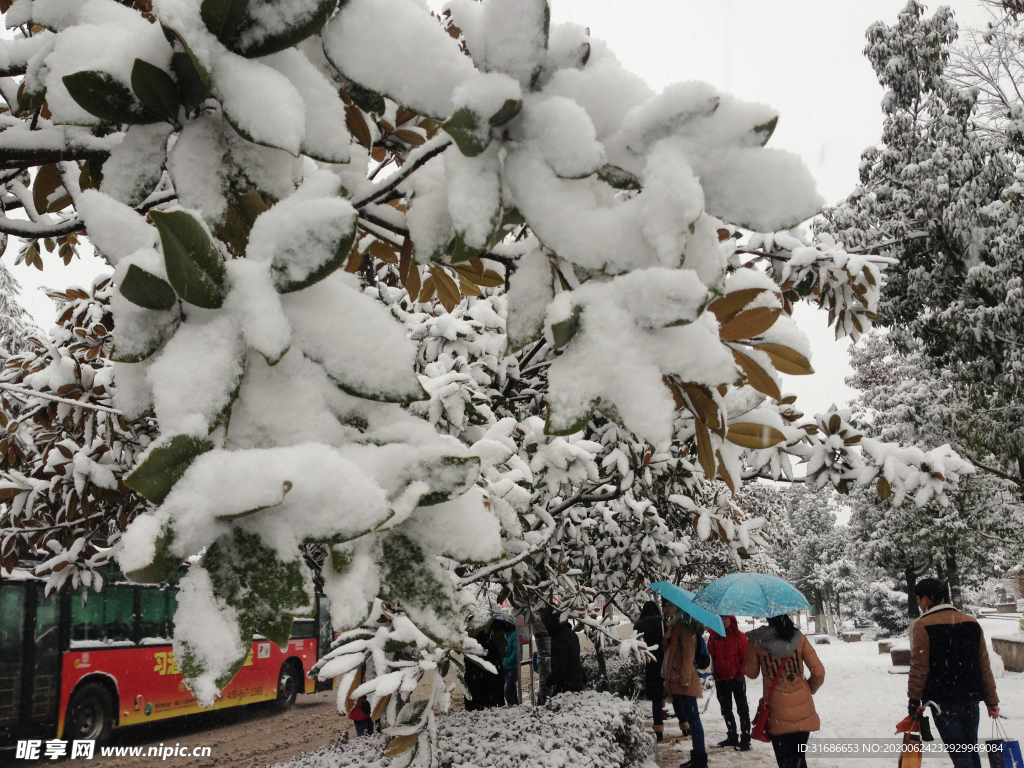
x=584 y=729
x=625 y=675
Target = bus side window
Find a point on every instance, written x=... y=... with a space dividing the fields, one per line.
x=155 y=618
x=107 y=615
x=87 y=618
x=118 y=613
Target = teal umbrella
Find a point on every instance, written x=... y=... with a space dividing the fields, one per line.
x=751 y=594
x=683 y=598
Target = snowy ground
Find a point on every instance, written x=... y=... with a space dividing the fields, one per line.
x=860 y=699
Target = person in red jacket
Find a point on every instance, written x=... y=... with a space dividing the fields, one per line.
x=728 y=655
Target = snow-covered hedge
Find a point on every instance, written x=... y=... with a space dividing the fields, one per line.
x=625 y=676
x=586 y=728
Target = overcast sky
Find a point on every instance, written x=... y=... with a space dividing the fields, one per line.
x=803 y=57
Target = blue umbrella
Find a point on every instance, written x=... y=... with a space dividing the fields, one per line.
x=751 y=594
x=684 y=599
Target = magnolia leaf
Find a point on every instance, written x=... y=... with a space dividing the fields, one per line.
x=401 y=744
x=163 y=565
x=619 y=178
x=412 y=138
x=194 y=266
x=755 y=436
x=147 y=290
x=704 y=407
x=460 y=252
x=285 y=488
x=155 y=89
x=563 y=331
x=350 y=702
x=757 y=377
x=508 y=110
x=165 y=464
x=883 y=488
x=731 y=303
x=425 y=591
x=366 y=99
x=749 y=323
x=764 y=131
x=47 y=182
x=464 y=126
x=724 y=473
x=223 y=17
x=705 y=453
x=447 y=289
x=107 y=98
x=356 y=124
x=247 y=28
x=336 y=251
x=786 y=360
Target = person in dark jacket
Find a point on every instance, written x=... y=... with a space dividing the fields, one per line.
x=566 y=667
x=651 y=627
x=511 y=665
x=728 y=656
x=949 y=666
x=487 y=689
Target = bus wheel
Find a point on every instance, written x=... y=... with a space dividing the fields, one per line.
x=90 y=714
x=288 y=685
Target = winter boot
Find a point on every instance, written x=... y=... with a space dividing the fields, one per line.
x=696 y=761
x=730 y=741
x=744 y=745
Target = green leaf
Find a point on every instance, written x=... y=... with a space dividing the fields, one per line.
x=165 y=464
x=451 y=476
x=102 y=96
x=147 y=290
x=508 y=110
x=460 y=252
x=366 y=99
x=413 y=578
x=562 y=332
x=464 y=126
x=223 y=17
x=155 y=89
x=764 y=131
x=243 y=30
x=265 y=590
x=164 y=562
x=619 y=178
x=194 y=266
x=336 y=252
x=193 y=79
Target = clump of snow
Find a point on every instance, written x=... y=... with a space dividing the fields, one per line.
x=395 y=47
x=115 y=229
x=135 y=166
x=564 y=134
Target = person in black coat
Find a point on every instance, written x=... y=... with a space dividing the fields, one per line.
x=651 y=627
x=566 y=667
x=486 y=688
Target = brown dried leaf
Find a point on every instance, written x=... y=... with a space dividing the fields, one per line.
x=757 y=376
x=786 y=360
x=750 y=323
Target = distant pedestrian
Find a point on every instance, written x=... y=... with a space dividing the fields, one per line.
x=566 y=665
x=487 y=689
x=780 y=651
x=682 y=681
x=511 y=665
x=949 y=666
x=360 y=717
x=728 y=658
x=651 y=625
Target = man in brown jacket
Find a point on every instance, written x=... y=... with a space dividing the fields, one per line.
x=949 y=666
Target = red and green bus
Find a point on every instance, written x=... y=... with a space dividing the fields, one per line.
x=74 y=670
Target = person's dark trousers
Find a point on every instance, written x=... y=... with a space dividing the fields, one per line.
x=687 y=707
x=958 y=725
x=789 y=749
x=364 y=727
x=727 y=690
x=511 y=697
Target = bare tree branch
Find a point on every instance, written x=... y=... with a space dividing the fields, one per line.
x=406 y=172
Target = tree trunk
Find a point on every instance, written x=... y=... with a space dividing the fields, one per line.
x=602 y=667
x=911 y=573
x=953 y=578
x=540 y=633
